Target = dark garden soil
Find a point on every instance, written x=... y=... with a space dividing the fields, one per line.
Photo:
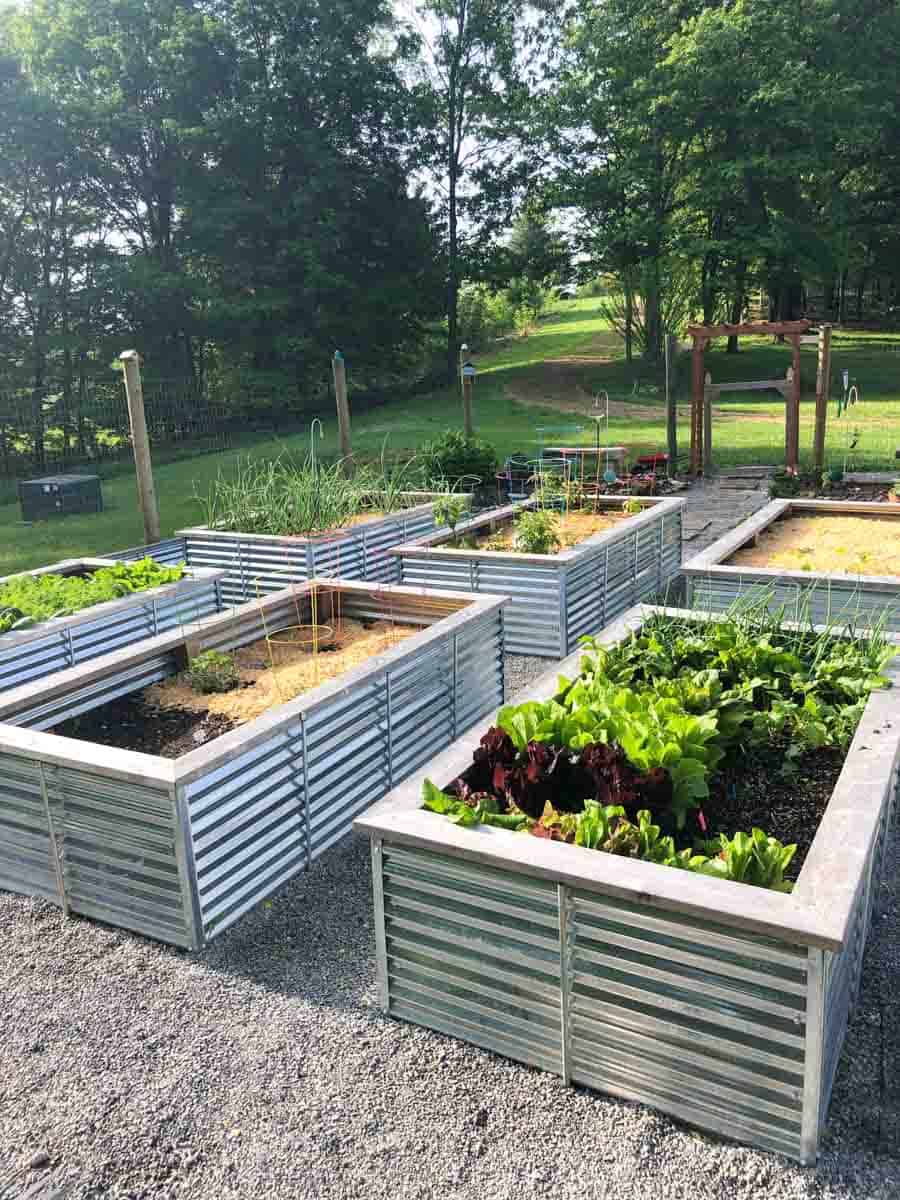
x=756 y=791
x=133 y=723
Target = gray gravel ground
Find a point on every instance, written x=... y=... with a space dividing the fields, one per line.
x=262 y=1068
x=520 y=670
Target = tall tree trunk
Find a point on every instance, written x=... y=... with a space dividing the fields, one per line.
x=861 y=293
x=737 y=304
x=37 y=394
x=80 y=439
x=842 y=297
x=652 y=312
x=629 y=323
x=455 y=102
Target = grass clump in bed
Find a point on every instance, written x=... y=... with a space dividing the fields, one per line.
x=630 y=755
x=287 y=496
x=26 y=600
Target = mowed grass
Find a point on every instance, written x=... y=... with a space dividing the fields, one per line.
x=572 y=355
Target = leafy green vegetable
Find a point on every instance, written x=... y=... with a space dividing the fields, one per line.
x=537 y=532
x=26 y=600
x=619 y=757
x=755 y=858
x=213 y=671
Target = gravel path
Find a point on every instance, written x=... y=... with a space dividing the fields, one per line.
x=262 y=1068
x=520 y=670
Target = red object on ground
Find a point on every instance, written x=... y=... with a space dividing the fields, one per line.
x=652 y=460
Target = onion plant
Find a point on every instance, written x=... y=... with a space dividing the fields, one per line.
x=289 y=496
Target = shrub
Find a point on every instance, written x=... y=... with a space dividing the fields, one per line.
x=537 y=532
x=483 y=315
x=453 y=457
x=213 y=671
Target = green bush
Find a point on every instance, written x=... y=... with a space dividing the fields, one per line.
x=213 y=671
x=537 y=532
x=454 y=458
x=483 y=315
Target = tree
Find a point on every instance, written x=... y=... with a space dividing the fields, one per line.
x=535 y=250
x=471 y=92
x=623 y=162
x=304 y=226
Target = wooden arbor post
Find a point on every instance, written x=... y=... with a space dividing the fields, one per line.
x=702 y=335
x=698 y=387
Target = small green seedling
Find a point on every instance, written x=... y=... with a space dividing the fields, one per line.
x=213 y=671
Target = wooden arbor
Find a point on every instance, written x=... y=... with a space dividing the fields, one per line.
x=700 y=401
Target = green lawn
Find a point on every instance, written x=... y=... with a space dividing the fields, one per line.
x=572 y=355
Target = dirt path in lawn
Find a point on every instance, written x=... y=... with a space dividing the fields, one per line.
x=559 y=383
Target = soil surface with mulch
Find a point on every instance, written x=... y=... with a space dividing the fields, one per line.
x=135 y=723
x=841 y=543
x=755 y=791
x=573 y=528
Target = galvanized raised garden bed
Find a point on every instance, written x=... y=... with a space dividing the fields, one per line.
x=558 y=598
x=712 y=584
x=179 y=848
x=720 y=1003
x=62 y=642
x=256 y=563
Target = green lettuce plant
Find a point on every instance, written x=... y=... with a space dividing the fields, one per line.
x=26 y=600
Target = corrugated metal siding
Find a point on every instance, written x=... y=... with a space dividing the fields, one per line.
x=257 y=565
x=26 y=865
x=183 y=867
x=247 y=827
x=170 y=552
x=116 y=844
x=45 y=713
x=474 y=953
x=824 y=603
x=843 y=971
x=71 y=645
x=120 y=860
x=698 y=1020
x=553 y=605
x=635 y=567
x=267 y=814
x=693 y=1019
x=533 y=624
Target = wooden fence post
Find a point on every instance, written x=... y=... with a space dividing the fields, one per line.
x=468 y=381
x=141 y=445
x=792 y=430
x=823 y=393
x=343 y=411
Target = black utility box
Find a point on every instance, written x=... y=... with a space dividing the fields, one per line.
x=59 y=496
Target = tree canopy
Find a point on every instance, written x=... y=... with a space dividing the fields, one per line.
x=238 y=189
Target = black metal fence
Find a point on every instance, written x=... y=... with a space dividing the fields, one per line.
x=59 y=429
